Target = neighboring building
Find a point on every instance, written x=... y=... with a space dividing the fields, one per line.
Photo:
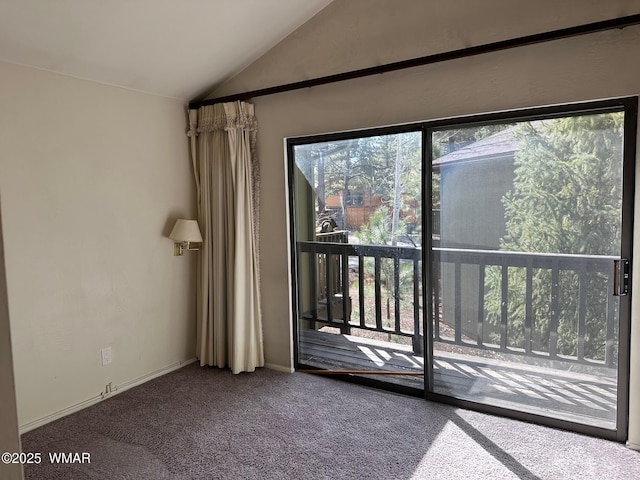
x=355 y=209
x=473 y=181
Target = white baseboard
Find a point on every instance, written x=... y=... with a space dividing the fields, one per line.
x=103 y=396
x=633 y=446
x=279 y=368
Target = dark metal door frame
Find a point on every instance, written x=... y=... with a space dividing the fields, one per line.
x=630 y=107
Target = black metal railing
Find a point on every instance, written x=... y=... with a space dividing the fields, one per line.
x=334 y=309
x=327 y=290
x=556 y=265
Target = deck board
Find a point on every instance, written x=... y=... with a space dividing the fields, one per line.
x=577 y=397
x=337 y=352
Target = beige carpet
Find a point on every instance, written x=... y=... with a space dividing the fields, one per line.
x=206 y=423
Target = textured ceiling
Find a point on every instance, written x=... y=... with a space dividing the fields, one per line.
x=174 y=48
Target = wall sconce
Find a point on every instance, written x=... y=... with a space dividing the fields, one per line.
x=184 y=233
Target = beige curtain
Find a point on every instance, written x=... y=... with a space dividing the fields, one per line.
x=226 y=172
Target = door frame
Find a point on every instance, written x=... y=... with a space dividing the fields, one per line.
x=627 y=104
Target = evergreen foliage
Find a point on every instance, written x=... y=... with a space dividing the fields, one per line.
x=566 y=199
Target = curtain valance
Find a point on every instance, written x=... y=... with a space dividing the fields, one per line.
x=222 y=117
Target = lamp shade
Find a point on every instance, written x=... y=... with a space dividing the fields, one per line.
x=186 y=231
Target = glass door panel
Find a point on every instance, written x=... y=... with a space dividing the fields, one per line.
x=529 y=217
x=358 y=235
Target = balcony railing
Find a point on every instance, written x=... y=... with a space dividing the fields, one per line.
x=333 y=308
x=331 y=292
x=557 y=265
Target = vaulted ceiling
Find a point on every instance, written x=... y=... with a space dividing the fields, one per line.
x=174 y=48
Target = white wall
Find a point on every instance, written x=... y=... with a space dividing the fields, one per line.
x=9 y=437
x=91 y=177
x=352 y=34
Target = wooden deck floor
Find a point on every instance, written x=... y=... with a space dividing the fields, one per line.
x=577 y=397
x=339 y=352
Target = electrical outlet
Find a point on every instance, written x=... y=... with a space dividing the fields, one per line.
x=106 y=356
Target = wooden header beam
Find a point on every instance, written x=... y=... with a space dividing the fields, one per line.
x=620 y=22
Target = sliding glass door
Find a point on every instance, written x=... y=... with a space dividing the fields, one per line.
x=358 y=236
x=528 y=270
x=510 y=296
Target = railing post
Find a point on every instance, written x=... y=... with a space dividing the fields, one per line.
x=314 y=285
x=396 y=288
x=528 y=315
x=417 y=338
x=378 y=294
x=361 y=288
x=457 y=309
x=346 y=300
x=553 y=324
x=480 y=329
x=582 y=312
x=329 y=284
x=435 y=282
x=504 y=310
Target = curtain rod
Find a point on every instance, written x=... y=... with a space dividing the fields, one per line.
x=620 y=22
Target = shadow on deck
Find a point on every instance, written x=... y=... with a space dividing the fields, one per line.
x=544 y=389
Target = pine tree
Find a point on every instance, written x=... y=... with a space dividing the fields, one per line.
x=566 y=198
